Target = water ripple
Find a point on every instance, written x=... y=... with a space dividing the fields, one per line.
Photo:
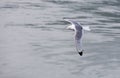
x=33 y=38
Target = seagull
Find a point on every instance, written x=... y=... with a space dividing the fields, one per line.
x=78 y=28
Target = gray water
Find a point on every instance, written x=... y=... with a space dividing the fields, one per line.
x=34 y=42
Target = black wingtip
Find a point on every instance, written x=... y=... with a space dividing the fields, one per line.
x=80 y=53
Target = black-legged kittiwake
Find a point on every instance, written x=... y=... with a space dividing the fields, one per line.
x=76 y=26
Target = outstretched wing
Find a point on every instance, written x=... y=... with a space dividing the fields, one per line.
x=78 y=33
x=78 y=43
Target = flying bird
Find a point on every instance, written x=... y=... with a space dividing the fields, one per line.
x=76 y=26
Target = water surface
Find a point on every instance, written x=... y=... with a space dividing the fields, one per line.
x=35 y=44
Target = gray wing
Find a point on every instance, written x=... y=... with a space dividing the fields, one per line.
x=78 y=46
x=78 y=43
x=78 y=34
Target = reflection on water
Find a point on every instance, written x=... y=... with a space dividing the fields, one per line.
x=35 y=43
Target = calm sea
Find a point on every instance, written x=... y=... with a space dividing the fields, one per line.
x=34 y=42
